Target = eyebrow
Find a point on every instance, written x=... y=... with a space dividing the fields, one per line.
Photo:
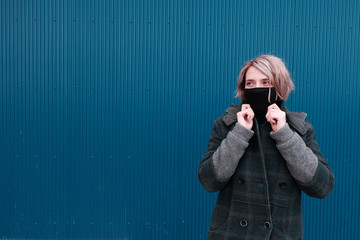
x=264 y=79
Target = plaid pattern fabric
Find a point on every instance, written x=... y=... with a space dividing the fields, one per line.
x=261 y=200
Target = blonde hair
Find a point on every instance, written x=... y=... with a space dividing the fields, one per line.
x=272 y=67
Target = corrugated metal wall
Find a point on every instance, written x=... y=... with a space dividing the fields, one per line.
x=107 y=106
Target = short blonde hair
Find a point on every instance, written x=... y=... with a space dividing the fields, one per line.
x=272 y=67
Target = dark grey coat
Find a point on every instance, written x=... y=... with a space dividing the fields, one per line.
x=260 y=175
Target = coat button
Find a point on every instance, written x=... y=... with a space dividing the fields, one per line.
x=267 y=225
x=282 y=185
x=241 y=180
x=243 y=223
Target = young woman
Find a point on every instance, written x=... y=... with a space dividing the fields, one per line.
x=261 y=157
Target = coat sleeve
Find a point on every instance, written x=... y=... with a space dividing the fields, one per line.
x=223 y=154
x=323 y=182
x=304 y=160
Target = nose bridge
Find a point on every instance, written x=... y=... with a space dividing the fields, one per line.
x=258 y=83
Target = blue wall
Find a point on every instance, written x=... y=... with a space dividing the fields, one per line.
x=107 y=106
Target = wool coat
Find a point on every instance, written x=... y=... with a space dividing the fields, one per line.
x=261 y=199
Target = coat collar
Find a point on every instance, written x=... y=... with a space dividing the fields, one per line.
x=294 y=119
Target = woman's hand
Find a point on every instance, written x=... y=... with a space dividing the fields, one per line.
x=245 y=116
x=276 y=117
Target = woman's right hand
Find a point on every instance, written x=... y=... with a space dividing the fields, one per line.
x=245 y=116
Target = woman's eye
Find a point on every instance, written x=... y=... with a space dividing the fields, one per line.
x=249 y=84
x=266 y=83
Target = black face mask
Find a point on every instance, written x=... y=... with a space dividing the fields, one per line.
x=258 y=98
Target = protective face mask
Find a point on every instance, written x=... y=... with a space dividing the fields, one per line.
x=258 y=98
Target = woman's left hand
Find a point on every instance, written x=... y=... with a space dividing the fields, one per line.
x=276 y=117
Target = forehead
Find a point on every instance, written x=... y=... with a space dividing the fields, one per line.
x=254 y=74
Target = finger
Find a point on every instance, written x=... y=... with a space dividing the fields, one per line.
x=273 y=111
x=245 y=106
x=245 y=115
x=250 y=113
x=273 y=106
x=274 y=121
x=268 y=114
x=251 y=117
x=269 y=110
x=272 y=117
x=239 y=115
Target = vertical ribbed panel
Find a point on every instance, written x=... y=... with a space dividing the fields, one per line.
x=107 y=106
